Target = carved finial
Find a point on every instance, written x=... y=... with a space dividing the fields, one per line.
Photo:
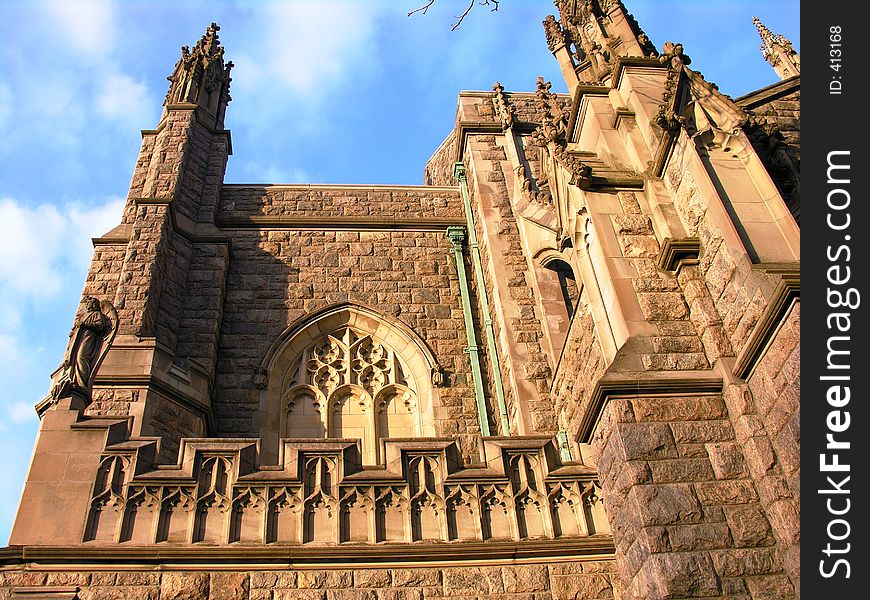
x=778 y=51
x=555 y=34
x=201 y=77
x=502 y=106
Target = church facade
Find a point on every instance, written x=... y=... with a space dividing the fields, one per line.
x=567 y=366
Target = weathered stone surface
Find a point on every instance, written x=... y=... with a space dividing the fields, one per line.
x=229 y=586
x=372 y=578
x=749 y=527
x=727 y=460
x=184 y=586
x=531 y=578
x=416 y=577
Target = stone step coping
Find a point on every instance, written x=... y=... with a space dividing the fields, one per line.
x=381 y=555
x=236 y=187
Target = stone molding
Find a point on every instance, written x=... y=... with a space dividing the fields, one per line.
x=677 y=253
x=250 y=557
x=769 y=93
x=628 y=385
x=787 y=292
x=336 y=223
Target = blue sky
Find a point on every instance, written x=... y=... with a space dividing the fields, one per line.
x=323 y=91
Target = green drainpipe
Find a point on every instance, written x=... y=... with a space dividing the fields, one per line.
x=457 y=236
x=460 y=174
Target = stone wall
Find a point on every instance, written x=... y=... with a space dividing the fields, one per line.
x=582 y=364
x=526 y=370
x=559 y=580
x=322 y=202
x=278 y=276
x=686 y=515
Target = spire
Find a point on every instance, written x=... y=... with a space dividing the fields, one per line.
x=589 y=35
x=778 y=51
x=200 y=77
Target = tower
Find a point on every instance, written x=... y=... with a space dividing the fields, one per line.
x=778 y=51
x=566 y=366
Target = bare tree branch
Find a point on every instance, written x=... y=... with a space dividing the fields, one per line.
x=422 y=9
x=459 y=18
x=462 y=16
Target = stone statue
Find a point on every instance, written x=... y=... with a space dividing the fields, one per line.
x=90 y=341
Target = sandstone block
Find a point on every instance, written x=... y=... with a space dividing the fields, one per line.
x=355 y=594
x=665 y=504
x=662 y=306
x=699 y=432
x=770 y=587
x=184 y=586
x=727 y=460
x=325 y=579
x=291 y=594
x=525 y=578
x=122 y=593
x=581 y=587
x=229 y=586
x=401 y=594
x=749 y=526
x=645 y=441
x=468 y=581
x=680 y=575
x=681 y=470
x=416 y=577
x=731 y=491
x=675 y=409
x=372 y=578
x=746 y=561
x=702 y=536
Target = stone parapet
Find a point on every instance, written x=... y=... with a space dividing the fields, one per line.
x=319 y=493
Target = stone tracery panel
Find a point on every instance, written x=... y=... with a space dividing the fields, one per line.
x=350 y=384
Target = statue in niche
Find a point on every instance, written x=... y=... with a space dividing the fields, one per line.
x=90 y=342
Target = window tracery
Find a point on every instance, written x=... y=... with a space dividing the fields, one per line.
x=350 y=384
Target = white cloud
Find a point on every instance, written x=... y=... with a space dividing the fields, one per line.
x=123 y=99
x=86 y=24
x=21 y=412
x=302 y=49
x=40 y=246
x=269 y=173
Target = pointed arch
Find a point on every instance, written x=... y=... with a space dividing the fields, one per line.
x=348 y=371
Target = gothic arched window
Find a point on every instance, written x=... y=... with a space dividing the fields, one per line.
x=350 y=374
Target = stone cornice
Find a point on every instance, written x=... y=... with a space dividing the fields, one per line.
x=464 y=128
x=202 y=118
x=580 y=91
x=399 y=555
x=196 y=233
x=787 y=292
x=337 y=223
x=164 y=386
x=769 y=93
x=654 y=383
x=315 y=187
